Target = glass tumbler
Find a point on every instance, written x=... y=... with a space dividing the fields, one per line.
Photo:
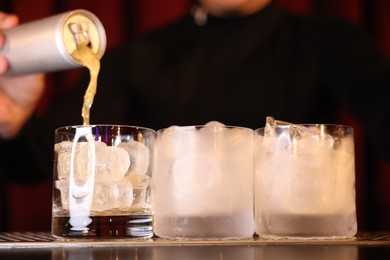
x=202 y=184
x=305 y=181
x=101 y=182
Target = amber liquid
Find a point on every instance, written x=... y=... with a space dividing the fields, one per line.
x=106 y=227
x=86 y=57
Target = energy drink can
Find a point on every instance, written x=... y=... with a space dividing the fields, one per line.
x=46 y=45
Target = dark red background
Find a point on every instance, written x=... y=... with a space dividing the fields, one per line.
x=28 y=207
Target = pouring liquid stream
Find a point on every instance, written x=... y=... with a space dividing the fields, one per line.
x=81 y=194
x=85 y=56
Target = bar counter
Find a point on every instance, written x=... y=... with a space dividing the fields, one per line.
x=41 y=245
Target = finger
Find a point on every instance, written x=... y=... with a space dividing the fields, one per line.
x=3 y=60
x=2 y=40
x=8 y=20
x=3 y=65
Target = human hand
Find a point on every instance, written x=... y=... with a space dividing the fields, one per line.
x=19 y=95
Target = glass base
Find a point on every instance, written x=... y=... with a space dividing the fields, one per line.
x=133 y=226
x=278 y=237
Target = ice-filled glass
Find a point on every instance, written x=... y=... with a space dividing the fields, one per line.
x=101 y=182
x=305 y=181
x=202 y=184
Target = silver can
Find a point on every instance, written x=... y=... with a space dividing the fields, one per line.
x=46 y=45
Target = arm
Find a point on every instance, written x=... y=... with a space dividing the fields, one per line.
x=19 y=95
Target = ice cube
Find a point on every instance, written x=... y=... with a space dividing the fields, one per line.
x=106 y=196
x=126 y=196
x=140 y=185
x=315 y=140
x=199 y=186
x=270 y=125
x=276 y=128
x=193 y=176
x=237 y=140
x=63 y=165
x=199 y=139
x=63 y=151
x=65 y=146
x=139 y=181
x=81 y=159
x=299 y=136
x=214 y=123
x=112 y=163
x=310 y=159
x=63 y=187
x=212 y=133
x=84 y=159
x=176 y=140
x=271 y=121
x=139 y=155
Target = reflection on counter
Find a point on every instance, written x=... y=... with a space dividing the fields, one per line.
x=102 y=253
x=220 y=252
x=306 y=252
x=204 y=252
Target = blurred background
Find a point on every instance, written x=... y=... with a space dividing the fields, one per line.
x=27 y=207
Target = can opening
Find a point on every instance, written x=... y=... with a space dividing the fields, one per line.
x=82 y=28
x=80 y=33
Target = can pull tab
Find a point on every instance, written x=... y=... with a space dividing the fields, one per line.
x=80 y=33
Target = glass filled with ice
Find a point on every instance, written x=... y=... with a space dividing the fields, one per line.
x=101 y=182
x=304 y=181
x=202 y=184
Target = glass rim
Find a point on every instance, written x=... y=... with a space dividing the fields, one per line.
x=67 y=127
x=309 y=125
x=186 y=128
